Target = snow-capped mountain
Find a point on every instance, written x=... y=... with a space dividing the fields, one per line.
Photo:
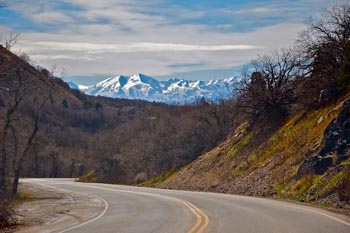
x=73 y=85
x=173 y=91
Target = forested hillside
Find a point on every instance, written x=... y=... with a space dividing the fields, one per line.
x=49 y=130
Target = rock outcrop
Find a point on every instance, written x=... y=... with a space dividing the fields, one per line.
x=336 y=145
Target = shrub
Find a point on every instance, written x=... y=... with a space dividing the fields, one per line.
x=65 y=103
x=6 y=212
x=87 y=104
x=98 y=106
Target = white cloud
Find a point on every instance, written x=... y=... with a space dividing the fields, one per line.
x=125 y=37
x=51 y=17
x=224 y=26
x=155 y=58
x=47 y=57
x=96 y=48
x=256 y=10
x=44 y=13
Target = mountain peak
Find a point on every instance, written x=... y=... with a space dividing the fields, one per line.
x=172 y=91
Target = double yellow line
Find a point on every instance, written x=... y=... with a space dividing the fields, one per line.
x=202 y=220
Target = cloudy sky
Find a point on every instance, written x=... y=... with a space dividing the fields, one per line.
x=193 y=39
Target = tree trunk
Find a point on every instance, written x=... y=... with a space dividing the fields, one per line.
x=72 y=166
x=29 y=144
x=3 y=170
x=3 y=165
x=27 y=147
x=15 y=181
x=54 y=169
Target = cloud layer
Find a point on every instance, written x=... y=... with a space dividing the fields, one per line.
x=152 y=36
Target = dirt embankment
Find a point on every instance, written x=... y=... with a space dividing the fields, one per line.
x=49 y=209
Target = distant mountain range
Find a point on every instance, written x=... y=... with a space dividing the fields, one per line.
x=173 y=91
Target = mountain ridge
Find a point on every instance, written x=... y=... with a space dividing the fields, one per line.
x=172 y=91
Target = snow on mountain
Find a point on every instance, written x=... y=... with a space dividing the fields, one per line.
x=173 y=91
x=73 y=85
x=82 y=87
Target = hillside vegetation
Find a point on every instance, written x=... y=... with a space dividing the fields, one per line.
x=294 y=141
x=252 y=162
x=49 y=130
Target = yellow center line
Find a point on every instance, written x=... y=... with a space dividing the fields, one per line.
x=195 y=213
x=199 y=214
x=206 y=218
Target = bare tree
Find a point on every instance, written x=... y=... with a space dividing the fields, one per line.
x=12 y=107
x=12 y=40
x=17 y=167
x=326 y=45
x=266 y=91
x=20 y=89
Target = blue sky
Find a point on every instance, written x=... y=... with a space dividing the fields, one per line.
x=195 y=39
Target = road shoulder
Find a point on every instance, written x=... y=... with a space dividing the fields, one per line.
x=52 y=210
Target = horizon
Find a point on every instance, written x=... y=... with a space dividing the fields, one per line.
x=193 y=40
x=82 y=81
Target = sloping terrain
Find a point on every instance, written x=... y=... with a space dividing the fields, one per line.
x=301 y=160
x=105 y=139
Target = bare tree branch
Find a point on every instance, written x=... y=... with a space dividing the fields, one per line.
x=11 y=41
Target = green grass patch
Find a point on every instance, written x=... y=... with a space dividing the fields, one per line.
x=241 y=144
x=332 y=184
x=296 y=137
x=88 y=177
x=160 y=178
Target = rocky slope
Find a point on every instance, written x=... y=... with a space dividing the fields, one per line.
x=306 y=159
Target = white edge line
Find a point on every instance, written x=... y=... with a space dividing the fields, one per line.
x=297 y=206
x=91 y=220
x=289 y=204
x=193 y=208
x=312 y=209
x=83 y=223
x=325 y=215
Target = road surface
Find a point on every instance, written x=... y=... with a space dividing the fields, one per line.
x=145 y=210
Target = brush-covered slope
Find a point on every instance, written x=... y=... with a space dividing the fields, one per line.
x=287 y=163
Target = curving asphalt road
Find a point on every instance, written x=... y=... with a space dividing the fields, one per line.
x=145 y=210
